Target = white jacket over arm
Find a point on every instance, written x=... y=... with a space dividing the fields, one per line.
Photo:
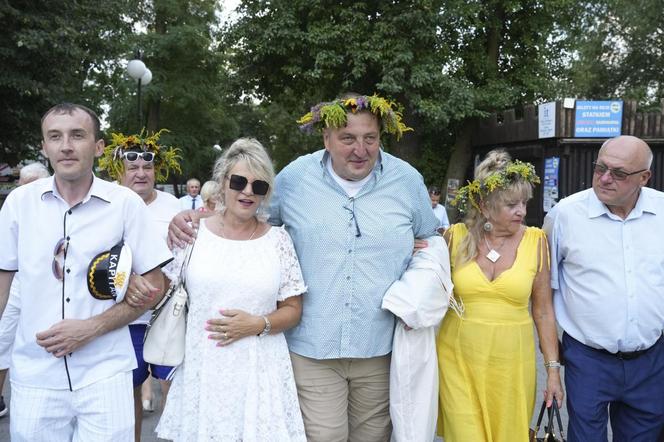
x=420 y=299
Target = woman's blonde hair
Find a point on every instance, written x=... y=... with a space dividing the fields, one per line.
x=522 y=189
x=210 y=192
x=256 y=158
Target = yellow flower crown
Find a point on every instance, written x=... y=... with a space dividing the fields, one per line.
x=334 y=114
x=474 y=191
x=165 y=157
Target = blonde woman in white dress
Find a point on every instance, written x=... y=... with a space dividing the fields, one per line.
x=245 y=286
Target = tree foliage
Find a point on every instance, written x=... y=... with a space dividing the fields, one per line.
x=619 y=50
x=445 y=61
x=189 y=93
x=52 y=52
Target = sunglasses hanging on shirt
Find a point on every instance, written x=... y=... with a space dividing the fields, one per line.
x=59 y=256
x=258 y=187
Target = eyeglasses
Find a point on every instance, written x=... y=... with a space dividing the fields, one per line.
x=133 y=156
x=350 y=207
x=616 y=174
x=59 y=257
x=258 y=187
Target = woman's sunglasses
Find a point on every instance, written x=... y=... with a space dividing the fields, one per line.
x=133 y=156
x=258 y=187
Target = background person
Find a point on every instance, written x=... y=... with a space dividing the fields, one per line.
x=487 y=356
x=209 y=195
x=607 y=271
x=438 y=209
x=236 y=382
x=9 y=320
x=72 y=358
x=137 y=162
x=192 y=200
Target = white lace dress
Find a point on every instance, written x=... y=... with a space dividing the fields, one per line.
x=246 y=391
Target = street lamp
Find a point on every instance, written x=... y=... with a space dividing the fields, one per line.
x=137 y=70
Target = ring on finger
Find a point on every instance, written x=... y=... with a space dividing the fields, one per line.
x=225 y=335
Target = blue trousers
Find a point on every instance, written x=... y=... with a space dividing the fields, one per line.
x=599 y=384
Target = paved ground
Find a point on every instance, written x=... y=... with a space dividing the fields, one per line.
x=147 y=435
x=150 y=419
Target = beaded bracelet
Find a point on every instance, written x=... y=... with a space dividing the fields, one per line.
x=552 y=364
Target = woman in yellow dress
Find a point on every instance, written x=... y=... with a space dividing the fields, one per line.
x=487 y=355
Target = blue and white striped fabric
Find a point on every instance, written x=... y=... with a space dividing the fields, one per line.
x=350 y=250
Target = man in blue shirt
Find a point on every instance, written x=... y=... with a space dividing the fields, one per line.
x=353 y=212
x=607 y=272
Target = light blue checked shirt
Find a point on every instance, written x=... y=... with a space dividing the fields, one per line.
x=350 y=250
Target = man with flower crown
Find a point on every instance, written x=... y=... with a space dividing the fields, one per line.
x=137 y=162
x=353 y=211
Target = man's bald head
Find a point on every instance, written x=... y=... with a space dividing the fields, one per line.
x=630 y=145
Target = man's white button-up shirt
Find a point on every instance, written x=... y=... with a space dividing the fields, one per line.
x=608 y=273
x=32 y=221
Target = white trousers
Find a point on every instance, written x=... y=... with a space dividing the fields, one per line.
x=103 y=411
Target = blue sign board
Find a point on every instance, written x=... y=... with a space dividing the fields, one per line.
x=598 y=119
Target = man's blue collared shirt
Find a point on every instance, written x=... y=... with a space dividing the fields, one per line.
x=350 y=250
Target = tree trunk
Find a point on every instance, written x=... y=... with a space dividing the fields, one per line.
x=461 y=159
x=408 y=147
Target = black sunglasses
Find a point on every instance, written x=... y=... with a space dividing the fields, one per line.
x=258 y=187
x=133 y=156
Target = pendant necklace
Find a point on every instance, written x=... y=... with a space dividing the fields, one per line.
x=493 y=254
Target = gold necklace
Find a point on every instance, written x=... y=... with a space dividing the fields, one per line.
x=493 y=254
x=221 y=224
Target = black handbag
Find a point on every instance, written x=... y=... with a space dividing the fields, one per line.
x=550 y=434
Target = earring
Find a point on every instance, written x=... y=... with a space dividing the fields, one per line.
x=487 y=226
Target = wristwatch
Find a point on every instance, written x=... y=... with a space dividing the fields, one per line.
x=268 y=327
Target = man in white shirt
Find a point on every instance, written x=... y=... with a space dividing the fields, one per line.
x=139 y=162
x=438 y=209
x=72 y=358
x=607 y=270
x=192 y=200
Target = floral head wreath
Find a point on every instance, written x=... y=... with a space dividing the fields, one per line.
x=165 y=158
x=476 y=190
x=334 y=114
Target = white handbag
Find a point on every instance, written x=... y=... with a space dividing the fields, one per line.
x=165 y=335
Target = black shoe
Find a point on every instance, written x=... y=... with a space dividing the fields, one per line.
x=3 y=408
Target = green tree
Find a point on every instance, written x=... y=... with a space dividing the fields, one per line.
x=52 y=52
x=446 y=61
x=620 y=51
x=189 y=93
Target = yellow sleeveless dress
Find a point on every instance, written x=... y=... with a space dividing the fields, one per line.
x=486 y=358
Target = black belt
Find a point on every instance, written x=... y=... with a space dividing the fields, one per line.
x=628 y=355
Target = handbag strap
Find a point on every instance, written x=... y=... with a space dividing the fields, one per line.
x=185 y=263
x=539 y=418
x=556 y=413
x=550 y=427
